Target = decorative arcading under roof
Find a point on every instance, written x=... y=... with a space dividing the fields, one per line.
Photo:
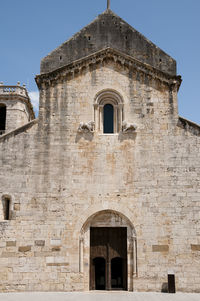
x=125 y=60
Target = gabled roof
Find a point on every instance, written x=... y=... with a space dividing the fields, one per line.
x=108 y=30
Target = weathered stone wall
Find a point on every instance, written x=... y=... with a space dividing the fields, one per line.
x=108 y=30
x=58 y=178
x=17 y=113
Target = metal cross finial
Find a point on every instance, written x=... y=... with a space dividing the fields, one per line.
x=108 y=4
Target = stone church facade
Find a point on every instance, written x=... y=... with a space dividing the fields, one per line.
x=101 y=191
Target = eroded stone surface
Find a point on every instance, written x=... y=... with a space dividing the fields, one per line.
x=62 y=181
x=108 y=30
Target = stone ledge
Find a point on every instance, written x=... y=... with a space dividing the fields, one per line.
x=101 y=55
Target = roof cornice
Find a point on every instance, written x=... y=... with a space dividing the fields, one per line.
x=16 y=96
x=99 y=56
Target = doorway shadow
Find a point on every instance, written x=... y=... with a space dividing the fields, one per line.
x=100 y=273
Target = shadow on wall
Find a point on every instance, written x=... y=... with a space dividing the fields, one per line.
x=164 y=288
x=90 y=136
x=127 y=136
x=87 y=136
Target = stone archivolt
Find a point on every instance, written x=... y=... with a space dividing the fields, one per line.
x=108 y=96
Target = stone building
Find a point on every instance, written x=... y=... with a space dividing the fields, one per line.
x=101 y=191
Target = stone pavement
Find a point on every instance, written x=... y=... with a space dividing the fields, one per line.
x=98 y=296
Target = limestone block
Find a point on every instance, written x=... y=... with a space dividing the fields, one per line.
x=2 y=244
x=24 y=249
x=40 y=243
x=195 y=247
x=9 y=254
x=55 y=242
x=55 y=249
x=11 y=244
x=160 y=248
x=16 y=206
x=57 y=261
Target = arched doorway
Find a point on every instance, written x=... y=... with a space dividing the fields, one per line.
x=111 y=244
x=110 y=235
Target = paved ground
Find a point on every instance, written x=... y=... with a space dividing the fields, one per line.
x=98 y=296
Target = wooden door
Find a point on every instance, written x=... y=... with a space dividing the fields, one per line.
x=108 y=258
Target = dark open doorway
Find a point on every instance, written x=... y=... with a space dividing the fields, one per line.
x=2 y=118
x=117 y=273
x=100 y=273
x=108 y=258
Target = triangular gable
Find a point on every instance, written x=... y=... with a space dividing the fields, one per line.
x=108 y=30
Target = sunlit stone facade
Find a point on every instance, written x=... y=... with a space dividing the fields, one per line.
x=63 y=175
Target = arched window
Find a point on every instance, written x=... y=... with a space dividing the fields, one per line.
x=108 y=112
x=108 y=118
x=2 y=118
x=6 y=202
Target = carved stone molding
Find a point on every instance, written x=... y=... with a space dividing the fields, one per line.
x=16 y=93
x=128 y=127
x=112 y=97
x=76 y=67
x=86 y=127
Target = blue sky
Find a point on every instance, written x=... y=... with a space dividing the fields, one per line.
x=31 y=29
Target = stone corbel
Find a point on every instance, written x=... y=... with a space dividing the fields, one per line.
x=128 y=127
x=86 y=127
